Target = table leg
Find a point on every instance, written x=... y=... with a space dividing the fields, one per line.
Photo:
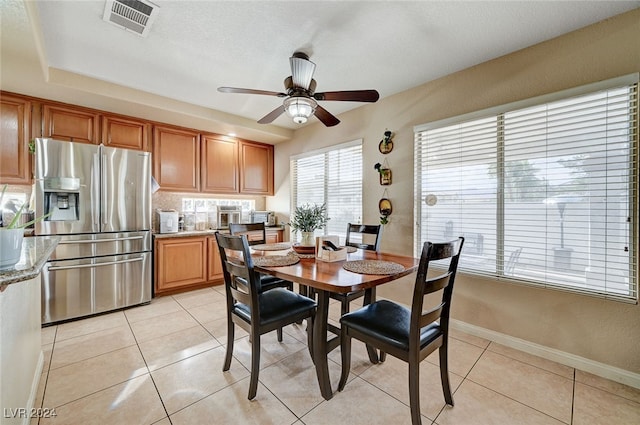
x=320 y=350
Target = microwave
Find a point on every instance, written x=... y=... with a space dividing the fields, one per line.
x=228 y=215
x=266 y=217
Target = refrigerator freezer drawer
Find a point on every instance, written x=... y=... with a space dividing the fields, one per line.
x=78 y=288
x=99 y=244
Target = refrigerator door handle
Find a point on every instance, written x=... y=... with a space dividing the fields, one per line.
x=95 y=213
x=85 y=266
x=103 y=192
x=131 y=238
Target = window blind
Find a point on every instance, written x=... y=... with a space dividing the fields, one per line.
x=332 y=176
x=545 y=193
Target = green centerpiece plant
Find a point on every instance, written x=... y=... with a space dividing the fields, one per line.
x=306 y=219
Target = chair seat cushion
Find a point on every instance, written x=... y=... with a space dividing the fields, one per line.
x=388 y=322
x=277 y=304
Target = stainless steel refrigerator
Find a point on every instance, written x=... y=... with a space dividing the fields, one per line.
x=99 y=202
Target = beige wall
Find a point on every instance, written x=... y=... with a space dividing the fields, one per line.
x=603 y=331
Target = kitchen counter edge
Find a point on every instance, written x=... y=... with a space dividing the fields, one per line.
x=35 y=253
x=209 y=232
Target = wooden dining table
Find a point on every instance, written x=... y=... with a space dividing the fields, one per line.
x=326 y=277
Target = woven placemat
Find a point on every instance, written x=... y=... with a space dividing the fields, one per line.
x=275 y=260
x=304 y=256
x=373 y=267
x=280 y=246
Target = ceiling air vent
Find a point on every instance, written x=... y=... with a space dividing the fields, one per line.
x=132 y=15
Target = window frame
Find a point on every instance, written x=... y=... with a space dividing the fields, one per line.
x=501 y=111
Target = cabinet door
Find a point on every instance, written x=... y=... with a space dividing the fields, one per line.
x=215 y=264
x=15 y=123
x=176 y=159
x=275 y=236
x=180 y=263
x=120 y=132
x=256 y=168
x=75 y=125
x=219 y=165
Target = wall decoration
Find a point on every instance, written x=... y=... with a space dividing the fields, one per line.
x=385 y=173
x=386 y=144
x=385 y=209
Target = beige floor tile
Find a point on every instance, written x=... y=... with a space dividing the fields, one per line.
x=295 y=383
x=477 y=405
x=545 y=391
x=82 y=347
x=593 y=406
x=551 y=366
x=209 y=312
x=271 y=350
x=187 y=381
x=359 y=357
x=200 y=297
x=360 y=403
x=135 y=401
x=159 y=306
x=462 y=356
x=218 y=328
x=80 y=379
x=471 y=339
x=48 y=334
x=89 y=325
x=230 y=406
x=39 y=396
x=47 y=351
x=177 y=346
x=608 y=385
x=156 y=327
x=392 y=377
x=163 y=421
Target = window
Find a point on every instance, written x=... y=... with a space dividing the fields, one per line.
x=332 y=176
x=544 y=191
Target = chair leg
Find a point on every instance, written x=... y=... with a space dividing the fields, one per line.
x=344 y=306
x=230 y=338
x=414 y=391
x=444 y=374
x=255 y=367
x=345 y=349
x=382 y=357
x=310 y=336
x=279 y=331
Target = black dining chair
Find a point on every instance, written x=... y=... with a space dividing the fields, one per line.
x=409 y=334
x=256 y=234
x=257 y=312
x=364 y=231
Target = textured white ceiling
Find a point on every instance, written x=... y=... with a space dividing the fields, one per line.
x=196 y=46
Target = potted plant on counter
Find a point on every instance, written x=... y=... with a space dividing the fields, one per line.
x=306 y=219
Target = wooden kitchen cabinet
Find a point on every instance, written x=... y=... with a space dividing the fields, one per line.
x=124 y=132
x=71 y=124
x=256 y=168
x=215 y=263
x=180 y=264
x=275 y=236
x=176 y=159
x=15 y=130
x=219 y=164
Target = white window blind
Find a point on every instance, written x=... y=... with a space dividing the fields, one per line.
x=544 y=192
x=332 y=176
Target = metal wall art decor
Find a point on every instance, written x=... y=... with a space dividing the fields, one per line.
x=385 y=173
x=386 y=144
x=385 y=209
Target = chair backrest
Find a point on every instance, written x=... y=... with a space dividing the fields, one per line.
x=424 y=285
x=241 y=281
x=256 y=232
x=364 y=229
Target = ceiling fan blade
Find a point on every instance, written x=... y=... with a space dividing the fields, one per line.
x=349 y=95
x=250 y=91
x=326 y=117
x=267 y=119
x=301 y=70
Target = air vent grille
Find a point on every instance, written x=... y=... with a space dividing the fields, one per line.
x=133 y=15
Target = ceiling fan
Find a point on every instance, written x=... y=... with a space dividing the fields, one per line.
x=301 y=98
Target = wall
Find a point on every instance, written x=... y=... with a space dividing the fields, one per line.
x=600 y=330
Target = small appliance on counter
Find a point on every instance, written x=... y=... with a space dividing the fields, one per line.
x=266 y=217
x=167 y=221
x=228 y=214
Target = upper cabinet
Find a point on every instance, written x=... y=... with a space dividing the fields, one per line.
x=219 y=164
x=125 y=132
x=72 y=124
x=256 y=168
x=176 y=159
x=15 y=124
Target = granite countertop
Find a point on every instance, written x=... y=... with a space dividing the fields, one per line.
x=208 y=232
x=35 y=252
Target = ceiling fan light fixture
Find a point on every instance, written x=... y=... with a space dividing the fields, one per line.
x=300 y=108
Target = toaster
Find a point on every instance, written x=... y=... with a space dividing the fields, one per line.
x=167 y=221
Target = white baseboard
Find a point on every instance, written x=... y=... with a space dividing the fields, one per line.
x=35 y=383
x=596 y=368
